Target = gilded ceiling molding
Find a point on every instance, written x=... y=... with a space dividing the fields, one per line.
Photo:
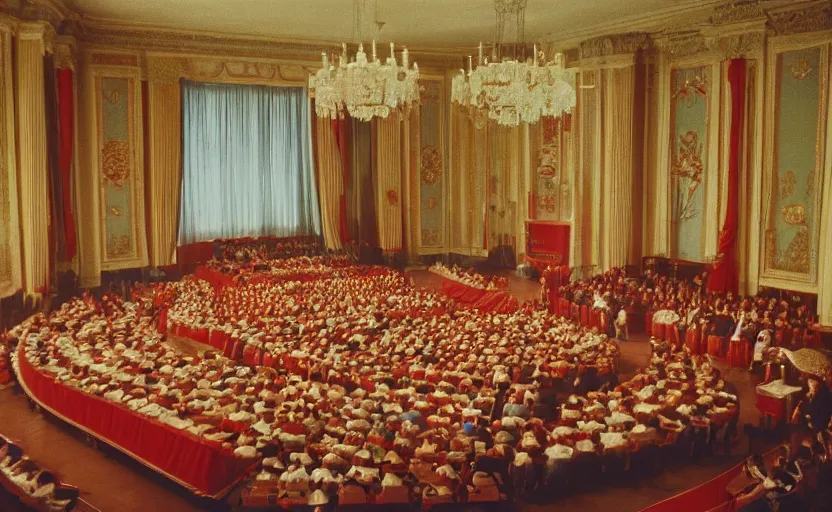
x=814 y=18
x=746 y=45
x=236 y=70
x=170 y=68
x=65 y=53
x=620 y=44
x=53 y=12
x=737 y=12
x=678 y=45
x=158 y=40
x=115 y=59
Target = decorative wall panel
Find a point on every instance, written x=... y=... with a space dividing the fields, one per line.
x=552 y=191
x=796 y=132
x=121 y=182
x=689 y=132
x=431 y=167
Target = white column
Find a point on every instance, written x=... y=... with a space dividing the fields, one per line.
x=10 y=268
x=34 y=40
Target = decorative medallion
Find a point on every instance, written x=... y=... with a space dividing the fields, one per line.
x=687 y=163
x=690 y=89
x=115 y=211
x=547 y=161
x=794 y=214
x=392 y=197
x=116 y=162
x=431 y=237
x=801 y=70
x=796 y=256
x=432 y=203
x=431 y=165
x=787 y=182
x=113 y=97
x=118 y=245
x=548 y=202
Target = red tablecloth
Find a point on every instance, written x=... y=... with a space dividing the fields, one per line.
x=197 y=464
x=769 y=405
x=215 y=277
x=498 y=301
x=708 y=497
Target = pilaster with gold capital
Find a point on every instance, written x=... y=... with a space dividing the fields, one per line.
x=66 y=53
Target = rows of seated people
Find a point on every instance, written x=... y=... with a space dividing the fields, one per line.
x=794 y=479
x=380 y=318
x=469 y=277
x=369 y=380
x=684 y=312
x=5 y=366
x=29 y=485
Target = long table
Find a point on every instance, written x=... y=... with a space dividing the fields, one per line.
x=497 y=301
x=204 y=467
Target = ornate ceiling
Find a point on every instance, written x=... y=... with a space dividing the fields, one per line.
x=422 y=23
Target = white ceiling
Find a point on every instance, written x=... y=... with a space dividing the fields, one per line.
x=415 y=22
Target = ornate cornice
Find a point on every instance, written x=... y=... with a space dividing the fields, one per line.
x=170 y=68
x=614 y=45
x=678 y=45
x=814 y=18
x=739 y=45
x=737 y=12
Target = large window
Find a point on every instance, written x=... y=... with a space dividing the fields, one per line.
x=248 y=168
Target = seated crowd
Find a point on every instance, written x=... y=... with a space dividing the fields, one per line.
x=469 y=277
x=693 y=312
x=356 y=382
x=5 y=366
x=26 y=480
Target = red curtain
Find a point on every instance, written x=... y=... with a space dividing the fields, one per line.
x=66 y=115
x=339 y=126
x=725 y=275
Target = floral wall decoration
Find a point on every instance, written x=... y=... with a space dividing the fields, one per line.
x=689 y=133
x=793 y=220
x=432 y=165
x=551 y=180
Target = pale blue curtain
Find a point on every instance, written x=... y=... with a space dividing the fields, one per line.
x=247 y=163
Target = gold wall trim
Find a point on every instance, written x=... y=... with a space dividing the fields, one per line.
x=770 y=276
x=138 y=257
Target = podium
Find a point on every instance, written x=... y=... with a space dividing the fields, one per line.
x=547 y=243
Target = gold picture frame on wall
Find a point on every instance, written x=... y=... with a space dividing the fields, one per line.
x=794 y=155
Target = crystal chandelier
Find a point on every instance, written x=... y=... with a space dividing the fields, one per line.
x=365 y=88
x=518 y=90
